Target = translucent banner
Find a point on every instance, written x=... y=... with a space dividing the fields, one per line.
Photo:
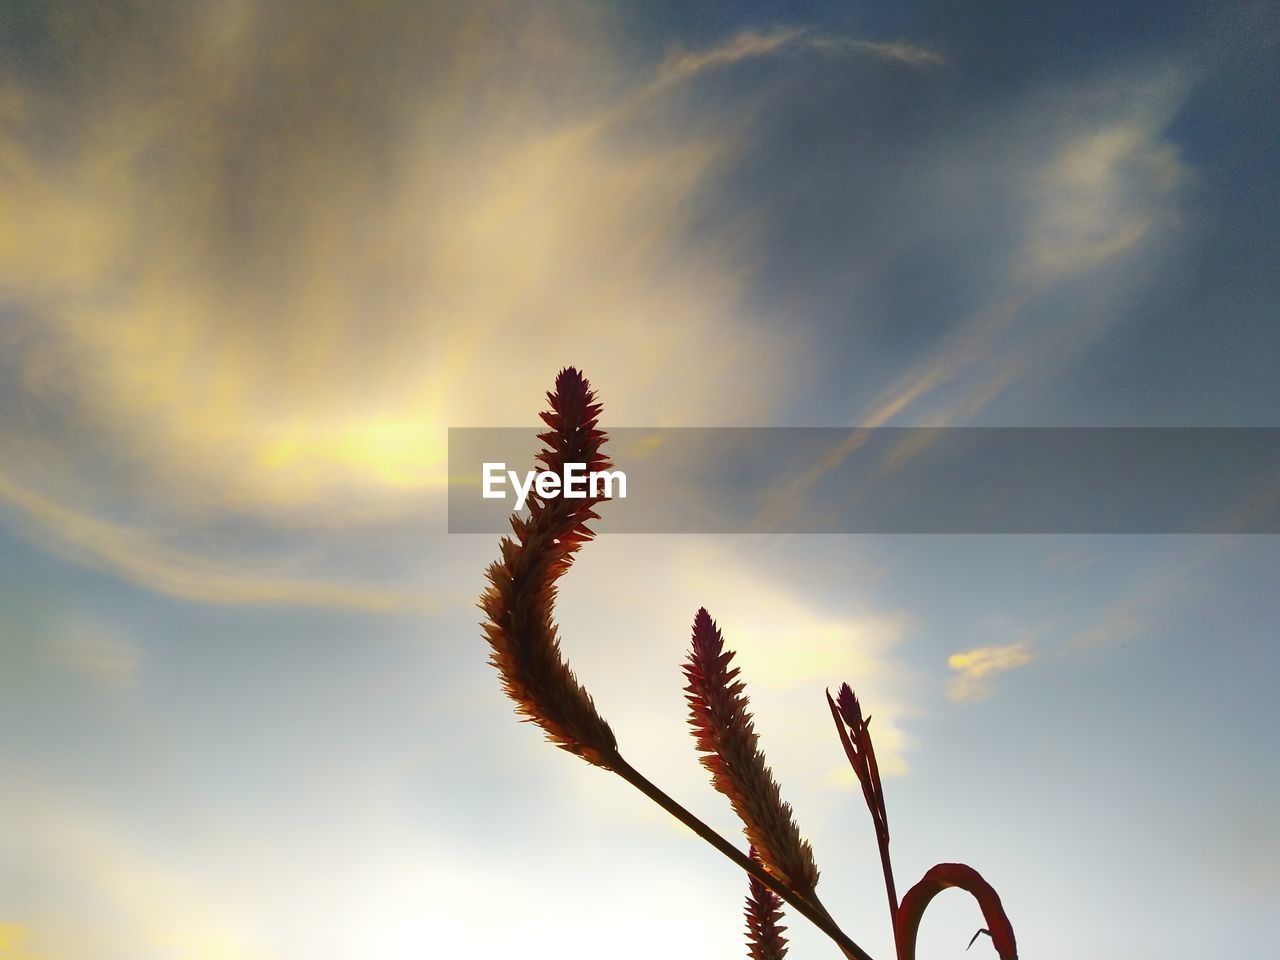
x=890 y=480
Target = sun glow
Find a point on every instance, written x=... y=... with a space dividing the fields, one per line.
x=402 y=453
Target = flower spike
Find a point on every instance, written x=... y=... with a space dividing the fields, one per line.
x=764 y=911
x=726 y=737
x=522 y=584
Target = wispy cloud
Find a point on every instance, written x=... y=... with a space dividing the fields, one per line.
x=1088 y=192
x=135 y=555
x=1176 y=579
x=682 y=65
x=101 y=655
x=975 y=668
x=901 y=51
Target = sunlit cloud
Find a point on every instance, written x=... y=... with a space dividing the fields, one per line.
x=974 y=668
x=281 y=316
x=790 y=645
x=112 y=898
x=256 y=259
x=276 y=305
x=103 y=889
x=15 y=939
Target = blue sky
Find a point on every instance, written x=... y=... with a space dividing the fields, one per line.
x=256 y=259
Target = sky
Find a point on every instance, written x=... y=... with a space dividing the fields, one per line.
x=257 y=258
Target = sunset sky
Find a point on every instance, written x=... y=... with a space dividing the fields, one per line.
x=256 y=258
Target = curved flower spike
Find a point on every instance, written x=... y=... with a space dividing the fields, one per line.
x=522 y=585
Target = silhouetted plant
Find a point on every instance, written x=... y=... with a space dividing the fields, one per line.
x=525 y=648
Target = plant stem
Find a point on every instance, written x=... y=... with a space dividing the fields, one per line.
x=808 y=906
x=887 y=866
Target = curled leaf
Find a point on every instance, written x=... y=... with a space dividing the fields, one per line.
x=938 y=878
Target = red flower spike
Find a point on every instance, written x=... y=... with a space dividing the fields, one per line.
x=518 y=604
x=846 y=711
x=725 y=735
x=522 y=585
x=764 y=911
x=862 y=754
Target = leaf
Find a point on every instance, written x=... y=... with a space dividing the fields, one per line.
x=939 y=878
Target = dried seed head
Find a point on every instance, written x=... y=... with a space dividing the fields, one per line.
x=519 y=600
x=725 y=735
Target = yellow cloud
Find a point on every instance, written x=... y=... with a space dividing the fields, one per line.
x=273 y=259
x=289 y=310
x=15 y=939
x=277 y=254
x=975 y=666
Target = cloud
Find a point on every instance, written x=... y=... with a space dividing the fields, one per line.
x=1107 y=180
x=908 y=53
x=1094 y=189
x=248 y=888
x=1152 y=601
x=682 y=65
x=96 y=891
x=102 y=656
x=256 y=261
x=975 y=667
x=1099 y=195
x=276 y=300
x=138 y=557
x=791 y=644
x=244 y=283
x=14 y=940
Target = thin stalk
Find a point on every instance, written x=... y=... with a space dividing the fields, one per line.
x=887 y=867
x=812 y=910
